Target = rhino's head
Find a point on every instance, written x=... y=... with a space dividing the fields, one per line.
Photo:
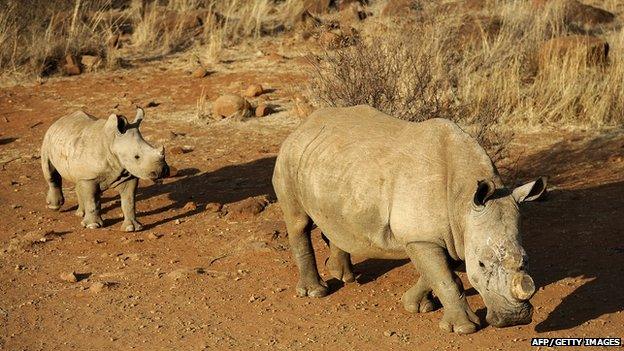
x=496 y=263
x=134 y=154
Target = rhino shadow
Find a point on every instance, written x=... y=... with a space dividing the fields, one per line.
x=225 y=185
x=576 y=235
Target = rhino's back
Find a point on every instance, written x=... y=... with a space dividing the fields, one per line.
x=346 y=165
x=73 y=145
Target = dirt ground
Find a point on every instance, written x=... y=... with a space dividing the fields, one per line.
x=194 y=279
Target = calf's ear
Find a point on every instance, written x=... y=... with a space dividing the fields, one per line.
x=116 y=124
x=530 y=191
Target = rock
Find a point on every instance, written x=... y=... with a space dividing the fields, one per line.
x=154 y=236
x=69 y=277
x=179 y=150
x=200 y=73
x=176 y=150
x=262 y=110
x=90 y=62
x=71 y=67
x=231 y=106
x=214 y=207
x=577 y=49
x=389 y=333
x=476 y=28
x=181 y=273
x=247 y=208
x=254 y=90
x=190 y=206
x=97 y=287
x=579 y=14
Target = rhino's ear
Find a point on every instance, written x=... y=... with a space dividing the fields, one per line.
x=531 y=191
x=139 y=116
x=485 y=189
x=116 y=124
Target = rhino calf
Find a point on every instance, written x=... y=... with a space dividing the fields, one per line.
x=96 y=155
x=380 y=187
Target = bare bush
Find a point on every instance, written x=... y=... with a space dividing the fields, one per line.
x=479 y=70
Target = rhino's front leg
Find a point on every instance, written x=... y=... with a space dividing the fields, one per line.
x=89 y=194
x=127 y=191
x=430 y=260
x=418 y=298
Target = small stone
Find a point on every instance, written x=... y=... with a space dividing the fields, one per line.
x=190 y=206
x=154 y=236
x=254 y=90
x=389 y=333
x=97 y=287
x=247 y=208
x=214 y=207
x=179 y=150
x=231 y=106
x=16 y=206
x=71 y=67
x=262 y=110
x=69 y=277
x=200 y=73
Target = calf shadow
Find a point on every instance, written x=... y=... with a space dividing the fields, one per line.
x=225 y=185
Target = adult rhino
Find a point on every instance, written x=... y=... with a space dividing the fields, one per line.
x=380 y=187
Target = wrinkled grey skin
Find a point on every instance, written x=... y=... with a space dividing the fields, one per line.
x=384 y=188
x=96 y=155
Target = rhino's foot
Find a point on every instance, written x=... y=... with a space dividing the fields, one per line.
x=131 y=226
x=340 y=269
x=424 y=305
x=55 y=200
x=312 y=289
x=92 y=223
x=79 y=212
x=459 y=319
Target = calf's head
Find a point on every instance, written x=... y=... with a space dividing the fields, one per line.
x=134 y=154
x=496 y=263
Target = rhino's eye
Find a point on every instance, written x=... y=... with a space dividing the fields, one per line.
x=481 y=264
x=136 y=157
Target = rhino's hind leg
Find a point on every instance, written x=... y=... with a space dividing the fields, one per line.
x=310 y=282
x=339 y=264
x=89 y=194
x=54 y=199
x=419 y=298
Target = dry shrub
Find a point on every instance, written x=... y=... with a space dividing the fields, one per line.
x=35 y=36
x=488 y=80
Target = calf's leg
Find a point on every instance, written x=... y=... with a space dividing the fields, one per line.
x=127 y=191
x=89 y=194
x=54 y=199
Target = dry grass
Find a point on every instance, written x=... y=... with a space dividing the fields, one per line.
x=35 y=36
x=483 y=75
